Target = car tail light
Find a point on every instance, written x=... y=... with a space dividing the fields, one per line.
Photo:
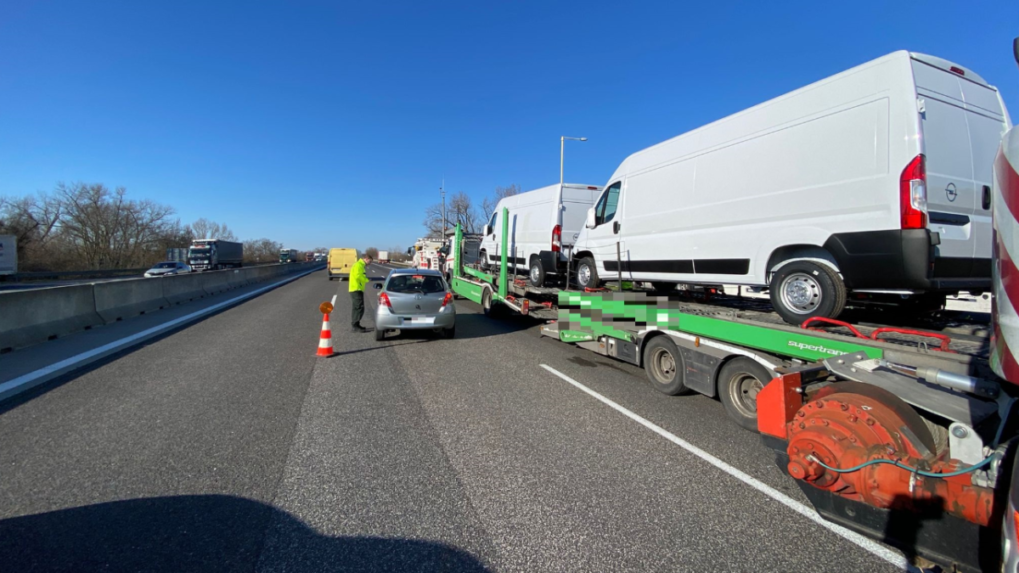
x=384 y=300
x=557 y=238
x=447 y=299
x=913 y=194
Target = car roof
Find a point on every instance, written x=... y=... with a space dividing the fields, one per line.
x=425 y=272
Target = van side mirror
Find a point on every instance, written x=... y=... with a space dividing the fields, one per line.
x=487 y=230
x=590 y=219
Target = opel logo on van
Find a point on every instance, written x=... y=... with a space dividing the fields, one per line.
x=951 y=192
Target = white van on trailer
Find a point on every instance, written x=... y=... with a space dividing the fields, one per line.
x=542 y=223
x=875 y=180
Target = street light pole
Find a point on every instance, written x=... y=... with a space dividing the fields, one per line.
x=442 y=191
x=562 y=149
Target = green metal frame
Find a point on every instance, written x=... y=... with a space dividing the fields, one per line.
x=587 y=316
x=603 y=314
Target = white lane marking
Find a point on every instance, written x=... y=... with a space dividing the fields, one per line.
x=873 y=547
x=9 y=387
x=334 y=300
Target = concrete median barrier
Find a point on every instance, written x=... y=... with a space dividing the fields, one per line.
x=182 y=288
x=31 y=316
x=215 y=281
x=124 y=299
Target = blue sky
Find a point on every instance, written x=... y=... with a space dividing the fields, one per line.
x=332 y=123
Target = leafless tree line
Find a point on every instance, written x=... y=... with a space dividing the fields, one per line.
x=88 y=226
x=463 y=211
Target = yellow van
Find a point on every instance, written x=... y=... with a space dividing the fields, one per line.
x=340 y=263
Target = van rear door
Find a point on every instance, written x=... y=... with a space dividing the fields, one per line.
x=962 y=120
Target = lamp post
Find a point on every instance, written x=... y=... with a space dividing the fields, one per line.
x=562 y=149
x=442 y=191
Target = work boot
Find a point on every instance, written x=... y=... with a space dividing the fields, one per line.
x=358 y=328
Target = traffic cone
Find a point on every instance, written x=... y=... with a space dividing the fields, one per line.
x=325 y=341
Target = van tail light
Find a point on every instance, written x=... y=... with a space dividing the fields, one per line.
x=557 y=238
x=447 y=299
x=913 y=194
x=384 y=301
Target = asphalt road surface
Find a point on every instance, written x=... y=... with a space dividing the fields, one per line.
x=228 y=446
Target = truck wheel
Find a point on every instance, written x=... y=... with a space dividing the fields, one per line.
x=805 y=289
x=739 y=382
x=664 y=366
x=536 y=274
x=490 y=310
x=587 y=273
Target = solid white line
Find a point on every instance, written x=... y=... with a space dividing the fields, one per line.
x=889 y=555
x=15 y=384
x=334 y=300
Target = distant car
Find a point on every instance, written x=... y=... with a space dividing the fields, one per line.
x=168 y=268
x=415 y=299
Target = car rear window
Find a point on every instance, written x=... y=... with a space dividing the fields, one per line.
x=415 y=283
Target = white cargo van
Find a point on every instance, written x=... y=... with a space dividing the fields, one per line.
x=875 y=180
x=541 y=223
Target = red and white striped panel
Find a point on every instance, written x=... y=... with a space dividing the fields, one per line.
x=1005 y=211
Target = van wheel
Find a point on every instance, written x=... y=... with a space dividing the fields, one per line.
x=536 y=274
x=483 y=261
x=664 y=366
x=739 y=382
x=663 y=287
x=804 y=289
x=587 y=273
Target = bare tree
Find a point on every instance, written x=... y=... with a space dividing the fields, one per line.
x=460 y=210
x=206 y=229
x=372 y=252
x=262 y=251
x=108 y=231
x=488 y=205
x=33 y=221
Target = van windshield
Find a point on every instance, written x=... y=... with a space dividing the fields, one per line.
x=415 y=283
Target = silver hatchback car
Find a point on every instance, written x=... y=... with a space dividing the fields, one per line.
x=415 y=299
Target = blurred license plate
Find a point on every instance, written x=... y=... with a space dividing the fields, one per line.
x=420 y=319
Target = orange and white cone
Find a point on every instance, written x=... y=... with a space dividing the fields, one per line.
x=325 y=341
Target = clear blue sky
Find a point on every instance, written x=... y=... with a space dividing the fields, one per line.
x=332 y=123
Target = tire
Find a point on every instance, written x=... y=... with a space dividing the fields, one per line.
x=486 y=304
x=664 y=366
x=449 y=333
x=483 y=261
x=536 y=273
x=805 y=289
x=587 y=273
x=663 y=287
x=739 y=382
x=380 y=334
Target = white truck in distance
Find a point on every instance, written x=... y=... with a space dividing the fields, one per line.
x=383 y=256
x=543 y=226
x=875 y=181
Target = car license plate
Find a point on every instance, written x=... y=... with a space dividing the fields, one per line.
x=419 y=319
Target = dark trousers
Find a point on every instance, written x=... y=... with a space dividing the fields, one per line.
x=356 y=308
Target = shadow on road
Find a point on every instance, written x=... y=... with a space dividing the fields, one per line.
x=481 y=326
x=204 y=533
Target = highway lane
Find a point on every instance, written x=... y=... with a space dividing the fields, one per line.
x=228 y=446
